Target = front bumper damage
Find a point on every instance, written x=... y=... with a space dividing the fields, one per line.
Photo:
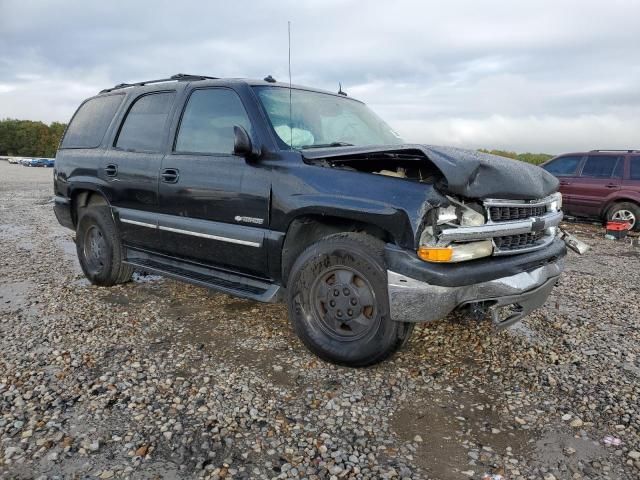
x=508 y=298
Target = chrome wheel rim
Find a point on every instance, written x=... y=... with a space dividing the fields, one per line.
x=344 y=303
x=625 y=216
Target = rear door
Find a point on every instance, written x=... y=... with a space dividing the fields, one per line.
x=214 y=205
x=600 y=179
x=132 y=166
x=565 y=168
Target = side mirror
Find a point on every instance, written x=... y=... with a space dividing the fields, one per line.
x=242 y=145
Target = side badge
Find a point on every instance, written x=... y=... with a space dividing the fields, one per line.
x=257 y=221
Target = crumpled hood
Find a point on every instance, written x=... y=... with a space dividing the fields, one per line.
x=468 y=173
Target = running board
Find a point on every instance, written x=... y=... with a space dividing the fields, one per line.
x=225 y=282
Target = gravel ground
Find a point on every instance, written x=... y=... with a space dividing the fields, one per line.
x=157 y=379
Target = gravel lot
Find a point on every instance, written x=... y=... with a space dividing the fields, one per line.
x=157 y=379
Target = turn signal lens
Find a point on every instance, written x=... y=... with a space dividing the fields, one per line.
x=457 y=252
x=435 y=254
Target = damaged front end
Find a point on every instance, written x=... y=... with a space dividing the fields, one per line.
x=490 y=205
x=491 y=243
x=467 y=231
x=517 y=259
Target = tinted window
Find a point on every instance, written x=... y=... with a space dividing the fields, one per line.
x=90 y=123
x=635 y=168
x=618 y=172
x=600 y=166
x=563 y=166
x=208 y=121
x=143 y=129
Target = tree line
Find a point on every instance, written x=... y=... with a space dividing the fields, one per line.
x=535 y=158
x=26 y=138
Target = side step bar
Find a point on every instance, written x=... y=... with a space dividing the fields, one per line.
x=225 y=282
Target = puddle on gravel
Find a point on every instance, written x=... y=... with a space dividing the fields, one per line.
x=549 y=450
x=68 y=247
x=19 y=234
x=11 y=232
x=203 y=324
x=14 y=296
x=439 y=419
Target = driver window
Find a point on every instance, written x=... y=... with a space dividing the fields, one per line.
x=208 y=120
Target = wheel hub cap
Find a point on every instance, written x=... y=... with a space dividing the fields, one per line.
x=345 y=303
x=625 y=215
x=95 y=249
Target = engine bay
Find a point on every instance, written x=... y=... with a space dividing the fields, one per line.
x=413 y=167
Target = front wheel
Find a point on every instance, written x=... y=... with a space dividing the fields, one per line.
x=99 y=248
x=626 y=211
x=338 y=301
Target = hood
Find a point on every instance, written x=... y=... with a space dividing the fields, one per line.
x=467 y=173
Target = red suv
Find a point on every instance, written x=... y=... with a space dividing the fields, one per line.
x=601 y=183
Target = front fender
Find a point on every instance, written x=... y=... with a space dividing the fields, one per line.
x=394 y=220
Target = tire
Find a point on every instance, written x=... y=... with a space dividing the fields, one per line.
x=99 y=248
x=625 y=211
x=338 y=301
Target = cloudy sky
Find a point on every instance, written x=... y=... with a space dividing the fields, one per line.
x=543 y=75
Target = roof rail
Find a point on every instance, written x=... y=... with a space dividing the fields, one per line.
x=178 y=77
x=614 y=150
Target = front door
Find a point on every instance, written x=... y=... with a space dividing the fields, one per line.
x=565 y=169
x=214 y=206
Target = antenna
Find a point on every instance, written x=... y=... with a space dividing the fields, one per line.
x=290 y=102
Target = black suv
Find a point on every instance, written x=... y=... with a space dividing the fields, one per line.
x=278 y=193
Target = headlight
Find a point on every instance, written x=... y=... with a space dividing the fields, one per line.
x=457 y=214
x=556 y=204
x=456 y=252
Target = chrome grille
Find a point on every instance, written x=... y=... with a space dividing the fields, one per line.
x=506 y=213
x=516 y=242
x=514 y=226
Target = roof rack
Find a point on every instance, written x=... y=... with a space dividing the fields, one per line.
x=178 y=77
x=614 y=150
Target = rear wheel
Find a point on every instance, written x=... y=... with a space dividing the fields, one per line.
x=626 y=211
x=338 y=301
x=99 y=248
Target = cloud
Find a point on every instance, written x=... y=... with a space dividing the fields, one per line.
x=559 y=134
x=531 y=75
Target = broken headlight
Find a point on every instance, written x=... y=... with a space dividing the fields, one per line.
x=556 y=204
x=456 y=215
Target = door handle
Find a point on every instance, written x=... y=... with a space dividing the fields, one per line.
x=565 y=183
x=170 y=175
x=611 y=185
x=111 y=170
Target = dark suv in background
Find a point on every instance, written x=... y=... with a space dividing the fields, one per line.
x=603 y=184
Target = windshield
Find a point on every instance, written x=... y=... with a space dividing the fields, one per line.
x=322 y=120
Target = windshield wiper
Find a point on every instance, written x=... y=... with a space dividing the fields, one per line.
x=328 y=145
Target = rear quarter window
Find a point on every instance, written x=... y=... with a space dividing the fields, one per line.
x=634 y=165
x=91 y=121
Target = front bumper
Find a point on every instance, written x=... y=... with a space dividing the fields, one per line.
x=413 y=300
